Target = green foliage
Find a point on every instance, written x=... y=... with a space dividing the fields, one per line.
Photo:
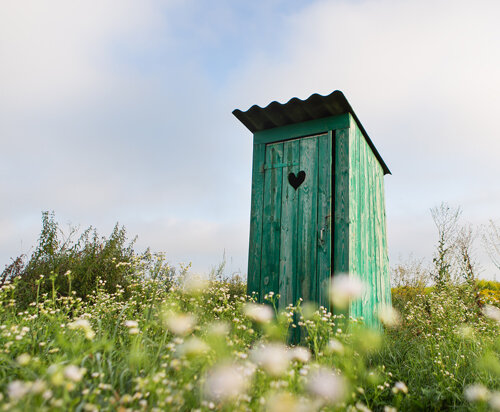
x=488 y=284
x=161 y=345
x=60 y=267
x=439 y=348
x=101 y=328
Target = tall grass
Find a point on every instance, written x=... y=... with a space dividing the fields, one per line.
x=196 y=345
x=154 y=338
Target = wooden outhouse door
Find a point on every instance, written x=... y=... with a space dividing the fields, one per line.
x=296 y=220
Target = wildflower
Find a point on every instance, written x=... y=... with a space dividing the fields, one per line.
x=74 y=373
x=247 y=369
x=131 y=323
x=218 y=329
x=272 y=358
x=476 y=393
x=193 y=347
x=335 y=346
x=195 y=284
x=178 y=323
x=400 y=387
x=18 y=389
x=133 y=331
x=492 y=312
x=300 y=354
x=224 y=383
x=286 y=402
x=344 y=289
x=326 y=385
x=390 y=409
x=84 y=325
x=465 y=332
x=38 y=386
x=389 y=316
x=57 y=377
x=258 y=313
x=360 y=406
x=494 y=401
x=23 y=359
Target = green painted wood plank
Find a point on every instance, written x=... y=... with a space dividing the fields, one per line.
x=367 y=243
x=372 y=239
x=324 y=257
x=271 y=221
x=353 y=207
x=364 y=233
x=378 y=238
x=362 y=263
x=357 y=237
x=307 y=220
x=384 y=252
x=367 y=232
x=288 y=243
x=309 y=128
x=255 y=243
x=341 y=206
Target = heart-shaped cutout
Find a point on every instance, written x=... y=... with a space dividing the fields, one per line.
x=296 y=180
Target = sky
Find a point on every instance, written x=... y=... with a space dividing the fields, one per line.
x=120 y=111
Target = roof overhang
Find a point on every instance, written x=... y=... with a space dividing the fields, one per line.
x=295 y=110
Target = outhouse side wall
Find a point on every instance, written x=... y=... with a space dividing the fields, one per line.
x=368 y=256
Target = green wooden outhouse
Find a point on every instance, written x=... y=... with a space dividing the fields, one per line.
x=318 y=204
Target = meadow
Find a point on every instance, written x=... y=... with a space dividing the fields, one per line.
x=89 y=324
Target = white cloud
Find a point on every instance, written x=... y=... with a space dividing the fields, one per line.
x=57 y=51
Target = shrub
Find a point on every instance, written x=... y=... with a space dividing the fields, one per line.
x=60 y=266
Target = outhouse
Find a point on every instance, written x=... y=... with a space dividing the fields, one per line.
x=317 y=206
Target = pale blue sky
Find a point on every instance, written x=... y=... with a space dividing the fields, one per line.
x=121 y=111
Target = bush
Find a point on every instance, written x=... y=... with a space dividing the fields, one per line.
x=60 y=267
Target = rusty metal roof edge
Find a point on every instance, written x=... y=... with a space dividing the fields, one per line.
x=244 y=117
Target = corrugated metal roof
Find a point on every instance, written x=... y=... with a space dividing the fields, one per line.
x=295 y=110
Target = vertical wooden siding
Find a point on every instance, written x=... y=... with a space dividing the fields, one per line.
x=325 y=158
x=271 y=222
x=289 y=226
x=290 y=230
x=368 y=256
x=358 y=242
x=341 y=204
x=255 y=243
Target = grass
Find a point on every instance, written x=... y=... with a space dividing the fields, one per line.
x=177 y=345
x=90 y=325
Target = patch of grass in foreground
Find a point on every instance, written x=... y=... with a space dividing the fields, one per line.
x=193 y=345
